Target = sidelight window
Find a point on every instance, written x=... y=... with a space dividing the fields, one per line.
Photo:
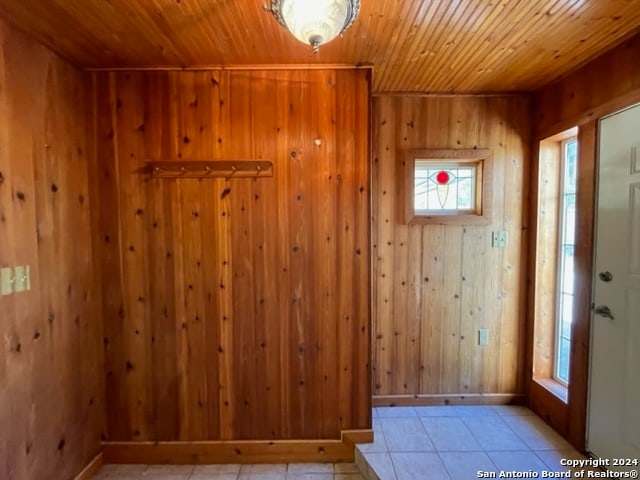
x=555 y=249
x=565 y=285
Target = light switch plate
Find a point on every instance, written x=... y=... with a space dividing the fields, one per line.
x=19 y=279
x=6 y=281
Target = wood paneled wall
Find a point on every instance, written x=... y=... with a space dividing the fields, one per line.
x=435 y=285
x=607 y=84
x=234 y=308
x=51 y=361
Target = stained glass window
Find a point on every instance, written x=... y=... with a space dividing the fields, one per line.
x=447 y=186
x=443 y=188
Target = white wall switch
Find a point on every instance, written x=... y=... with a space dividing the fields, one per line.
x=6 y=281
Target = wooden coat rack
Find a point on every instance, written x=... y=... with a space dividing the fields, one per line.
x=211 y=169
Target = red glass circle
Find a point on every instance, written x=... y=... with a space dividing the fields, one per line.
x=443 y=178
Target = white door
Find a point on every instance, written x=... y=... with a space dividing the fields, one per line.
x=614 y=390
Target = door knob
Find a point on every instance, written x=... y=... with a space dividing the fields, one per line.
x=605 y=276
x=603 y=311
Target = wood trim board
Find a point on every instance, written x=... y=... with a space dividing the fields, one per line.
x=92 y=468
x=449 y=399
x=243 y=452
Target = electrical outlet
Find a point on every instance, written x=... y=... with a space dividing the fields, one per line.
x=6 y=281
x=483 y=337
x=499 y=239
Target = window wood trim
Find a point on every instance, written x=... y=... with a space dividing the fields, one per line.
x=483 y=190
x=548 y=186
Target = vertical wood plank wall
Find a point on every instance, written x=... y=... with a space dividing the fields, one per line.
x=51 y=360
x=234 y=308
x=578 y=100
x=435 y=285
x=607 y=84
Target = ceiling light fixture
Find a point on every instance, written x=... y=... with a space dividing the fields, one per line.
x=315 y=22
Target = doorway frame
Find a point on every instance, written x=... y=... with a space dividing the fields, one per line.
x=570 y=418
x=592 y=319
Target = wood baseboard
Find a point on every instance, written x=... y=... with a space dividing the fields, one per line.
x=92 y=469
x=351 y=437
x=449 y=399
x=249 y=451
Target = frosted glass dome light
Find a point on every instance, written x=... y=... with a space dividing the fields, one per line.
x=315 y=22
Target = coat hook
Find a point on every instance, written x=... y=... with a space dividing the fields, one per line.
x=258 y=170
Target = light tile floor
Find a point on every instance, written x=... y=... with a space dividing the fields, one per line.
x=411 y=443
x=292 y=471
x=457 y=442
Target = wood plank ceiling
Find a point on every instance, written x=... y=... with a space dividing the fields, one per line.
x=446 y=46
